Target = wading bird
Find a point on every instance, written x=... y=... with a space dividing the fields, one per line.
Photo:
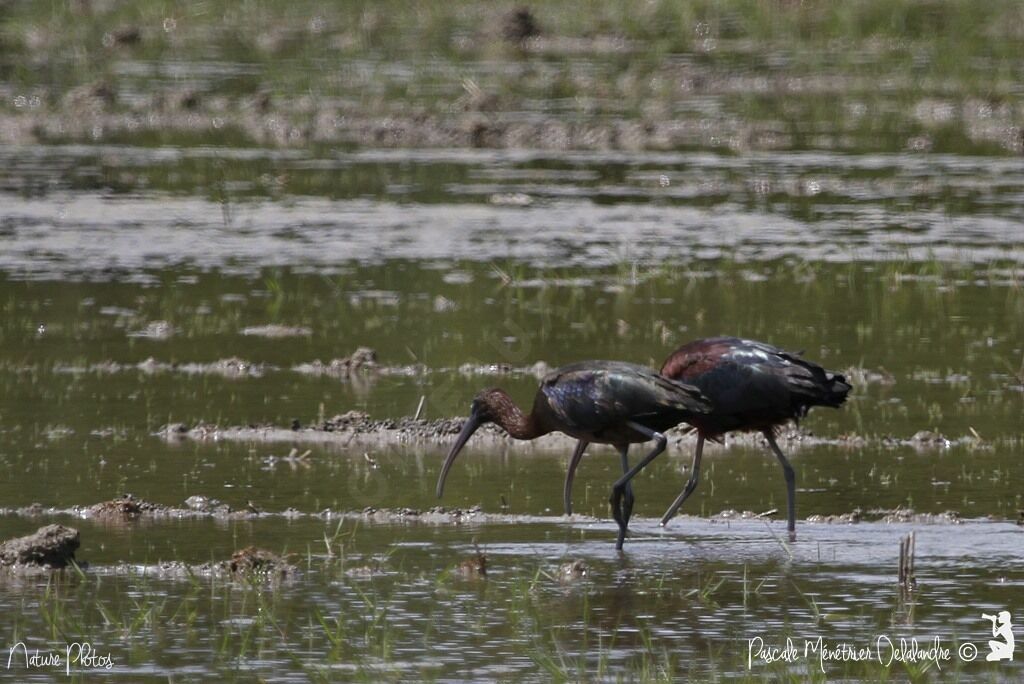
x=752 y=386
x=595 y=401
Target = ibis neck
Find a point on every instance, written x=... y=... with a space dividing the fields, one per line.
x=511 y=418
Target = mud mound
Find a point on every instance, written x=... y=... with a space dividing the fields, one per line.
x=125 y=508
x=248 y=564
x=573 y=571
x=274 y=331
x=474 y=567
x=361 y=360
x=49 y=547
x=255 y=561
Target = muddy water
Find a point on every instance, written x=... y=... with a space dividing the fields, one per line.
x=137 y=286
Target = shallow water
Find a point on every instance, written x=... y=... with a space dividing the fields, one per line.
x=902 y=270
x=94 y=210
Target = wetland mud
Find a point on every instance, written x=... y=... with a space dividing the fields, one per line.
x=358 y=430
x=49 y=547
x=255 y=265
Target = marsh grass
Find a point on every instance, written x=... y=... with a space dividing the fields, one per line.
x=395 y=58
x=705 y=592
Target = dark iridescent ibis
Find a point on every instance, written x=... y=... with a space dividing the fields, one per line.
x=753 y=386
x=606 y=402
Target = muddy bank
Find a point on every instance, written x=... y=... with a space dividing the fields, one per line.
x=357 y=429
x=885 y=515
x=246 y=565
x=478 y=119
x=254 y=565
x=362 y=363
x=129 y=509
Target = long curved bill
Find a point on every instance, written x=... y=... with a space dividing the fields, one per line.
x=470 y=426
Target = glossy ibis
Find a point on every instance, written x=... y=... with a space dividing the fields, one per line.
x=753 y=386
x=595 y=401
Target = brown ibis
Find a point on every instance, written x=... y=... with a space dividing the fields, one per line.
x=752 y=386
x=605 y=402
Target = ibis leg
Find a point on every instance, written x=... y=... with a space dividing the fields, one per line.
x=627 y=502
x=787 y=470
x=619 y=488
x=581 y=446
x=691 y=484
